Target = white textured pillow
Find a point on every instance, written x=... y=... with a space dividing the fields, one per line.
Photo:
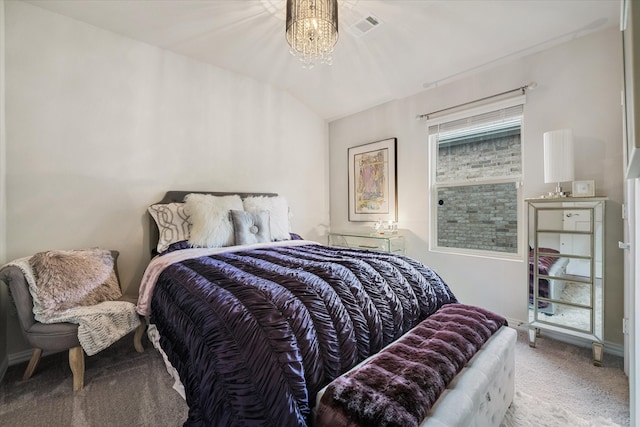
x=173 y=223
x=211 y=226
x=278 y=213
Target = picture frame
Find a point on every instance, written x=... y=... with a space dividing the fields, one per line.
x=583 y=189
x=373 y=181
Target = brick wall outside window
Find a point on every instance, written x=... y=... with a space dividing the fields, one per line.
x=479 y=216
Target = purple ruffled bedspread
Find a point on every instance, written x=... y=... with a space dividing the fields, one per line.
x=255 y=334
x=398 y=386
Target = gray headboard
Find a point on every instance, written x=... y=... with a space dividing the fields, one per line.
x=177 y=196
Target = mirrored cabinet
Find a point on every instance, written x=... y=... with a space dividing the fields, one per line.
x=393 y=243
x=566 y=269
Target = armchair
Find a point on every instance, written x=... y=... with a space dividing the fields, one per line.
x=52 y=337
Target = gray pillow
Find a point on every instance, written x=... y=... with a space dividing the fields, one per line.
x=250 y=227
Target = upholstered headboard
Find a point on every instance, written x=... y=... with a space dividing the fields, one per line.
x=177 y=196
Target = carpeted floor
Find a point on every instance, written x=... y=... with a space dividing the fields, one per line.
x=122 y=388
x=556 y=386
x=529 y=411
x=563 y=378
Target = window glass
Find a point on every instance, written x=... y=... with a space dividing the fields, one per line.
x=478 y=217
x=476 y=176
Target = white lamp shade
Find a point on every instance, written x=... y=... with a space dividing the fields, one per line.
x=558 y=156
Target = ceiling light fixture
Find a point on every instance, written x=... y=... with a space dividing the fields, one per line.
x=312 y=30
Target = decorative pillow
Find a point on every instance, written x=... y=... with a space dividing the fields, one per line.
x=173 y=223
x=251 y=227
x=66 y=279
x=278 y=213
x=211 y=225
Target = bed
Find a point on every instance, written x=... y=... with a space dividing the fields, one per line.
x=551 y=267
x=256 y=330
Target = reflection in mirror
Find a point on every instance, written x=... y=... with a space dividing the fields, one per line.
x=569 y=316
x=578 y=245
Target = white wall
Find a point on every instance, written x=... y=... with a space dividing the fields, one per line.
x=99 y=126
x=579 y=85
x=3 y=291
x=3 y=161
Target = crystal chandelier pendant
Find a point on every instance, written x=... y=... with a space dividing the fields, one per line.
x=312 y=30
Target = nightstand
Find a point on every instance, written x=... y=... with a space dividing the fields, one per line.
x=392 y=243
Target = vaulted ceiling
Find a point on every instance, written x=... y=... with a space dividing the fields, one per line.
x=418 y=44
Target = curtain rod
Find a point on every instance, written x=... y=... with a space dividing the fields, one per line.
x=522 y=89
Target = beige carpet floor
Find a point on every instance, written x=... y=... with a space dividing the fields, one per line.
x=556 y=386
x=562 y=378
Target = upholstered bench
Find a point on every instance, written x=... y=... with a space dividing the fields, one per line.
x=478 y=395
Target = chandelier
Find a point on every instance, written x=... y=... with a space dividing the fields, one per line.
x=312 y=30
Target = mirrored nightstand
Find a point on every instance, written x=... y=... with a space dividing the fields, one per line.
x=392 y=243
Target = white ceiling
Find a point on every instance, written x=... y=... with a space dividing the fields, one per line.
x=420 y=43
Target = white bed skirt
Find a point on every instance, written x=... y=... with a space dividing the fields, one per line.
x=154 y=337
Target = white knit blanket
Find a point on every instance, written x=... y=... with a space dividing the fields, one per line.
x=99 y=325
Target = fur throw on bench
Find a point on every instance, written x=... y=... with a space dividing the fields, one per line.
x=399 y=385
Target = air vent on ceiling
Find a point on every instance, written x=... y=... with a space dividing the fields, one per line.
x=364 y=26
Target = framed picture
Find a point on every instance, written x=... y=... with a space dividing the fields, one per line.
x=372 y=181
x=583 y=189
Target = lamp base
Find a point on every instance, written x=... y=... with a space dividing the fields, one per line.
x=557 y=194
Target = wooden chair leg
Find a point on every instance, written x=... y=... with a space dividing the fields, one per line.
x=33 y=363
x=76 y=362
x=137 y=338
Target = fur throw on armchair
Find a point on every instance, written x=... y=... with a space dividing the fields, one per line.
x=66 y=279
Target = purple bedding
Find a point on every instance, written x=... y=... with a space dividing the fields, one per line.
x=398 y=386
x=544 y=264
x=255 y=334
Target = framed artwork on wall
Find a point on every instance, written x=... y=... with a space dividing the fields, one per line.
x=372 y=181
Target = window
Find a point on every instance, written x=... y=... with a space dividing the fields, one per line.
x=475 y=179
